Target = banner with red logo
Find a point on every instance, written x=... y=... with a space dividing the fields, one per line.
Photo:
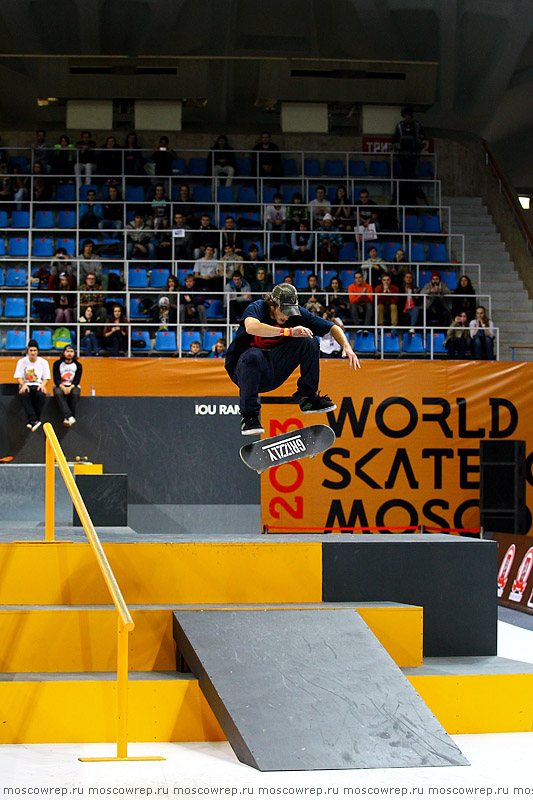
x=381 y=145
x=515 y=571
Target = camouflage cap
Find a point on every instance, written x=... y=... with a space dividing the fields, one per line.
x=286 y=297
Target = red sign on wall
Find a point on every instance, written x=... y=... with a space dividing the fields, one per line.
x=515 y=566
x=381 y=145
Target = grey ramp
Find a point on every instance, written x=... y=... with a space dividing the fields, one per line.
x=306 y=689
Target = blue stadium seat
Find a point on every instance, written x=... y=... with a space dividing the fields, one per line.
x=391 y=342
x=65 y=192
x=244 y=167
x=201 y=194
x=68 y=244
x=390 y=249
x=289 y=167
x=178 y=166
x=327 y=275
x=450 y=279
x=417 y=252
x=190 y=336
x=334 y=168
x=21 y=161
x=16 y=276
x=43 y=247
x=312 y=167
x=197 y=166
x=246 y=194
x=15 y=307
x=33 y=310
x=15 y=340
x=2 y=246
x=438 y=342
x=300 y=278
x=43 y=337
x=43 y=219
x=21 y=219
x=85 y=188
x=357 y=169
x=182 y=272
x=134 y=194
x=141 y=336
x=3 y=219
x=246 y=245
x=165 y=340
x=280 y=274
x=430 y=223
x=159 y=277
x=365 y=342
x=268 y=194
x=411 y=223
x=380 y=169
x=214 y=309
x=425 y=169
x=135 y=313
x=210 y=338
x=347 y=252
x=225 y=194
x=437 y=252
x=347 y=277
x=2 y=276
x=424 y=276
x=66 y=219
x=413 y=343
x=112 y=255
x=137 y=278
x=288 y=192
x=251 y=218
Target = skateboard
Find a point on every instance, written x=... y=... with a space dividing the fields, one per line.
x=287 y=447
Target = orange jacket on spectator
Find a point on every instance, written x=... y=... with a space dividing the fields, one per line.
x=357 y=294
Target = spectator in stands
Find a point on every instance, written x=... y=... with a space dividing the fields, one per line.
x=32 y=373
x=276 y=215
x=231 y=262
x=64 y=302
x=312 y=299
x=342 y=211
x=6 y=183
x=398 y=268
x=91 y=212
x=387 y=301
x=171 y=291
x=329 y=240
x=336 y=299
x=139 y=238
x=464 y=298
x=192 y=302
x=61 y=263
x=91 y=295
x=482 y=333
x=40 y=277
x=253 y=259
x=231 y=236
x=302 y=244
x=112 y=211
x=297 y=212
x=361 y=298
x=289 y=279
x=222 y=160
x=262 y=283
x=185 y=205
x=329 y=347
x=266 y=157
x=438 y=304
x=67 y=373
x=163 y=156
x=163 y=313
x=41 y=187
x=115 y=332
x=194 y=351
x=86 y=164
x=41 y=147
x=237 y=295
x=319 y=206
x=205 y=235
x=457 y=339
x=409 y=306
x=133 y=158
x=89 y=334
x=366 y=214
x=218 y=350
x=182 y=236
x=207 y=270
x=3 y=154
x=373 y=266
x=64 y=158
x=20 y=186
x=159 y=213
x=90 y=263
x=110 y=158
x=407 y=142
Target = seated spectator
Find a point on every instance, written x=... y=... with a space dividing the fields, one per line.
x=361 y=299
x=90 y=339
x=64 y=159
x=230 y=235
x=329 y=240
x=342 y=211
x=337 y=301
x=112 y=211
x=373 y=267
x=457 y=339
x=61 y=263
x=276 y=215
x=163 y=314
x=329 y=347
x=91 y=295
x=252 y=262
x=231 y=262
x=387 y=301
x=32 y=373
x=398 y=268
x=41 y=187
x=110 y=160
x=482 y=334
x=319 y=206
x=64 y=301
x=206 y=234
x=297 y=212
x=192 y=302
x=139 y=238
x=86 y=163
x=133 y=158
x=266 y=158
x=195 y=351
x=6 y=183
x=302 y=244
x=115 y=332
x=41 y=151
x=312 y=299
x=289 y=279
x=366 y=213
x=159 y=213
x=218 y=350
x=67 y=373
x=20 y=186
x=409 y=306
x=207 y=270
x=222 y=160
x=40 y=277
x=90 y=263
x=185 y=205
x=237 y=295
x=466 y=302
x=91 y=212
x=437 y=300
x=262 y=284
x=182 y=238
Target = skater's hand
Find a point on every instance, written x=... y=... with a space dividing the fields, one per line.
x=24 y=388
x=301 y=331
x=353 y=361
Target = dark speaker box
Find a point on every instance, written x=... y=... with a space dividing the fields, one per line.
x=502 y=501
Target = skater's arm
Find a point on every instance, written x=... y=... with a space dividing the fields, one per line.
x=347 y=352
x=256 y=328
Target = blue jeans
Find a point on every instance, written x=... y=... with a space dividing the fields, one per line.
x=91 y=344
x=483 y=347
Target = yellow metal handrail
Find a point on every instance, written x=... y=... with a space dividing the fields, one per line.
x=54 y=454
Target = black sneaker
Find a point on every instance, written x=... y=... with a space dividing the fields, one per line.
x=251 y=424
x=319 y=404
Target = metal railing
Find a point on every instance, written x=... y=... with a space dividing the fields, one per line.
x=125 y=624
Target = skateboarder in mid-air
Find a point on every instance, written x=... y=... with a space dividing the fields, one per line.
x=274 y=337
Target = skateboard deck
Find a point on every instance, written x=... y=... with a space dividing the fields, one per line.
x=286 y=447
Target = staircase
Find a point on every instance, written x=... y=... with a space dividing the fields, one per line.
x=512 y=310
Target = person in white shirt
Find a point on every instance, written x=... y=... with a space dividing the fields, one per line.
x=319 y=206
x=329 y=347
x=32 y=373
x=207 y=270
x=482 y=336
x=276 y=215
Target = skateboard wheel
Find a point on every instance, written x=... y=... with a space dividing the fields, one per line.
x=78 y=458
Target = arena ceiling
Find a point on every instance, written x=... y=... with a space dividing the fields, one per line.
x=235 y=61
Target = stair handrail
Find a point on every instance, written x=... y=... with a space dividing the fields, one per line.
x=509 y=195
